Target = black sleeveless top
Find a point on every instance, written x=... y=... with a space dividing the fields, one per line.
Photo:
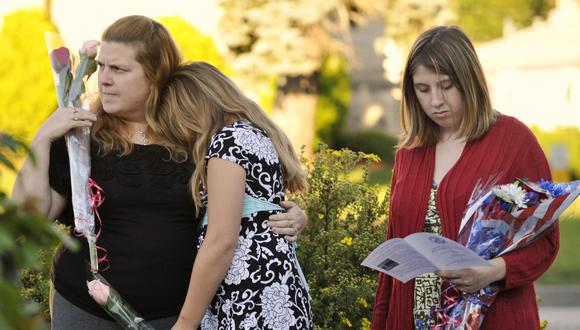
x=149 y=229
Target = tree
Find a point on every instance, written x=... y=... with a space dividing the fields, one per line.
x=289 y=39
x=484 y=20
x=194 y=45
x=481 y=20
x=333 y=99
x=27 y=86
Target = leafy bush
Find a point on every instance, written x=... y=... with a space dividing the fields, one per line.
x=24 y=234
x=370 y=142
x=346 y=222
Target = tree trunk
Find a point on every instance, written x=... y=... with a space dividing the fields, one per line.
x=48 y=9
x=295 y=110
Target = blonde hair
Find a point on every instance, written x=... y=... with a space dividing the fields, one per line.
x=198 y=101
x=159 y=56
x=448 y=51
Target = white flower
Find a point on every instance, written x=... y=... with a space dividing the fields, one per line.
x=250 y=322
x=277 y=308
x=209 y=321
x=227 y=306
x=282 y=246
x=238 y=270
x=511 y=193
x=256 y=144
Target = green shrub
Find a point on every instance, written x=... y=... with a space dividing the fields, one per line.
x=347 y=221
x=370 y=142
x=24 y=235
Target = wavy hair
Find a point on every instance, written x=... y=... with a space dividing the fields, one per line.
x=445 y=50
x=198 y=101
x=159 y=56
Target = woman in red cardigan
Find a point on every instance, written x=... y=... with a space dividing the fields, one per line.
x=452 y=139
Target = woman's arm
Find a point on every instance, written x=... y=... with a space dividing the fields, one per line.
x=527 y=264
x=524 y=265
x=225 y=188
x=32 y=181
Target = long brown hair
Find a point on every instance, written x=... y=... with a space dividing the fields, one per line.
x=159 y=56
x=448 y=51
x=198 y=101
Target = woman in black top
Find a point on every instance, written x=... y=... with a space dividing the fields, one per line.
x=148 y=214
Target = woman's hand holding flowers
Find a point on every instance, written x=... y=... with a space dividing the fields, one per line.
x=475 y=278
x=63 y=120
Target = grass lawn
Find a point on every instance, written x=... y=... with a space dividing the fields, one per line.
x=566 y=268
x=379 y=175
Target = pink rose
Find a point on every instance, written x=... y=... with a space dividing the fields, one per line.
x=99 y=291
x=90 y=48
x=59 y=58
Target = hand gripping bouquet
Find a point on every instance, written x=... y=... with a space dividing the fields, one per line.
x=70 y=92
x=86 y=195
x=500 y=219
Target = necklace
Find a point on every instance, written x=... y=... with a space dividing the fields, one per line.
x=142 y=138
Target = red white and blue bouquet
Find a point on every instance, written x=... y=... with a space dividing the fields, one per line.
x=500 y=219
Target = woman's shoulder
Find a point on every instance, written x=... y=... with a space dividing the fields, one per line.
x=510 y=127
x=242 y=132
x=241 y=126
x=242 y=139
x=402 y=153
x=507 y=122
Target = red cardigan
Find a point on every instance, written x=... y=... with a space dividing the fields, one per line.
x=509 y=150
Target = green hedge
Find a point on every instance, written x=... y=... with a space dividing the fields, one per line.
x=347 y=220
x=370 y=142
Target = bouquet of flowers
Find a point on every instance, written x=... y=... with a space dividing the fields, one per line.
x=70 y=92
x=500 y=219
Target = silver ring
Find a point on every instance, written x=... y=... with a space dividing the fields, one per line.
x=76 y=118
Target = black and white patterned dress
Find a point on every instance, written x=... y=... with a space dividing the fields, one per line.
x=263 y=288
x=427 y=292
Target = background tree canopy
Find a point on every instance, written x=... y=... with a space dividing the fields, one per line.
x=194 y=45
x=482 y=20
x=27 y=86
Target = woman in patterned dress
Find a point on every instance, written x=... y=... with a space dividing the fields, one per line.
x=245 y=275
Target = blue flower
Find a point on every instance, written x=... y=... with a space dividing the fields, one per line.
x=555 y=190
x=532 y=198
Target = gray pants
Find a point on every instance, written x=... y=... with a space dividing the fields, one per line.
x=66 y=316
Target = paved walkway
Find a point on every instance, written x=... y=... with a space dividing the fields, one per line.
x=560 y=305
